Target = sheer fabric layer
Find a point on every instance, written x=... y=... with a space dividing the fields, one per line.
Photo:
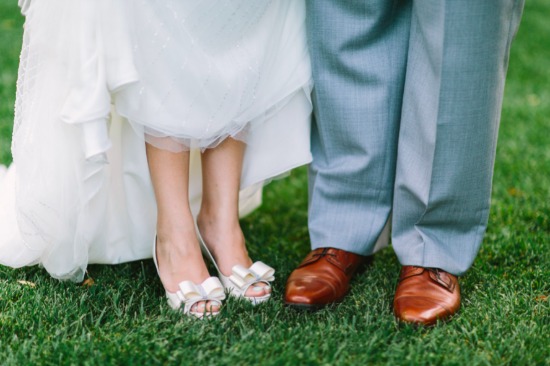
x=231 y=65
x=79 y=190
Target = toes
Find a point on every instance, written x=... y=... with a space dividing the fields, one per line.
x=213 y=306
x=198 y=307
x=255 y=291
x=206 y=307
x=258 y=289
x=194 y=308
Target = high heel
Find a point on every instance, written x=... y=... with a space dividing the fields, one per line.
x=189 y=293
x=242 y=278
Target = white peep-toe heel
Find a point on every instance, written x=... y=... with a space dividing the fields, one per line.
x=189 y=293
x=242 y=278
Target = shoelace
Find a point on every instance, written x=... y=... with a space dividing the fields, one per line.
x=324 y=253
x=435 y=271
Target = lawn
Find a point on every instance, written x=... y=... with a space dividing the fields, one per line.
x=122 y=318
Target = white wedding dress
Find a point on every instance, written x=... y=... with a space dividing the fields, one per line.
x=99 y=77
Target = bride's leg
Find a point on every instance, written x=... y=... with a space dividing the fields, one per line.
x=218 y=219
x=178 y=252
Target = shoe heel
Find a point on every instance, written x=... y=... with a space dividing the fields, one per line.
x=241 y=278
x=189 y=294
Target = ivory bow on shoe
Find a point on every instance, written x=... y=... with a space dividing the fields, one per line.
x=242 y=278
x=189 y=294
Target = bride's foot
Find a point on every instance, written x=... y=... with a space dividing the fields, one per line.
x=182 y=272
x=225 y=241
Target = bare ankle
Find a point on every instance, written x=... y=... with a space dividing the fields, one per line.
x=179 y=259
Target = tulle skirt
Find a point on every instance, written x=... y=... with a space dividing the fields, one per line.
x=99 y=78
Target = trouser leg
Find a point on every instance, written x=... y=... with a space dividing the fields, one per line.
x=457 y=62
x=358 y=51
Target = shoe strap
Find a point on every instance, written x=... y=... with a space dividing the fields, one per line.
x=438 y=276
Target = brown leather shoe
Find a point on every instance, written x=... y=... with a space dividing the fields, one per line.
x=424 y=295
x=322 y=278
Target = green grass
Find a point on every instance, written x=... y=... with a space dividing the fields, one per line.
x=10 y=46
x=123 y=318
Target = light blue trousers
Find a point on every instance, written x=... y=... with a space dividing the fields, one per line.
x=407 y=99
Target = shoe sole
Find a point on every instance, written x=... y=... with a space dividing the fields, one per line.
x=313 y=307
x=437 y=322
